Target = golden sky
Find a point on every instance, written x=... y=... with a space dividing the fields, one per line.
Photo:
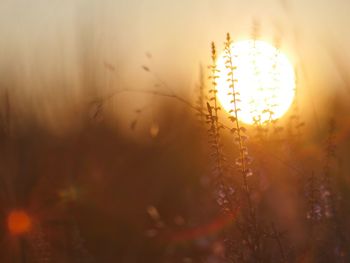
x=42 y=40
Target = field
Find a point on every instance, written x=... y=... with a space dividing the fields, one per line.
x=144 y=132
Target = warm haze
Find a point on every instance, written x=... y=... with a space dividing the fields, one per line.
x=174 y=131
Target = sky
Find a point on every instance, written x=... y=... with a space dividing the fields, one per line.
x=44 y=44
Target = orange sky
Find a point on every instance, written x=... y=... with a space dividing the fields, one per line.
x=41 y=41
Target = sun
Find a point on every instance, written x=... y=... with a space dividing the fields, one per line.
x=265 y=81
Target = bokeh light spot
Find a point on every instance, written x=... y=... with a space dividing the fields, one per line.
x=19 y=222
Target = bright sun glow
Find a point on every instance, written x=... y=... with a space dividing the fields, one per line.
x=265 y=82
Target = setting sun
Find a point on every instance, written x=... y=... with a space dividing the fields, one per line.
x=174 y=131
x=265 y=81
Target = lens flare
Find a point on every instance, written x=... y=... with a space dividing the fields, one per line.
x=19 y=222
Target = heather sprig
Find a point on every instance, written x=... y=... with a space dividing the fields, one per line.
x=224 y=192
